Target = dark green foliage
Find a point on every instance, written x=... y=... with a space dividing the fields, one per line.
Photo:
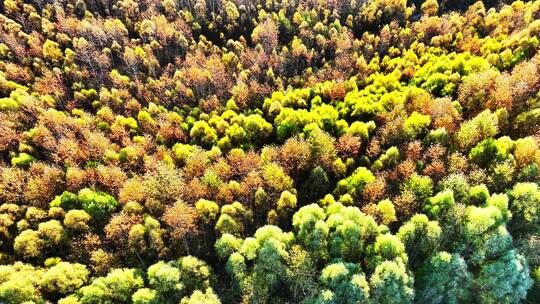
x=344 y=283
x=444 y=278
x=421 y=238
x=98 y=205
x=505 y=279
x=489 y=151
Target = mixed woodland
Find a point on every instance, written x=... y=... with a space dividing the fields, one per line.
x=269 y=151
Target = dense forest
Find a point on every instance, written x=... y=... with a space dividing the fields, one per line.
x=269 y=151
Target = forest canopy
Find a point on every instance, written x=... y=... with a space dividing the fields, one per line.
x=249 y=151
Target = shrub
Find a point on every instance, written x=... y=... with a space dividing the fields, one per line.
x=23 y=160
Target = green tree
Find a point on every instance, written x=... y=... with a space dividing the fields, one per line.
x=485 y=236
x=415 y=124
x=226 y=245
x=421 y=238
x=444 y=278
x=118 y=286
x=233 y=219
x=482 y=126
x=67 y=201
x=311 y=230
x=505 y=279
x=391 y=283
x=388 y=160
x=421 y=186
x=164 y=279
x=301 y=273
x=52 y=51
x=458 y=184
x=351 y=232
x=236 y=268
x=386 y=211
x=388 y=247
x=354 y=184
x=64 y=278
x=439 y=204
x=28 y=244
x=270 y=267
x=525 y=207
x=98 y=205
x=478 y=194
x=195 y=274
x=19 y=283
x=202 y=134
x=199 y=297
x=208 y=210
x=145 y=296
x=286 y=203
x=346 y=284
x=77 y=220
x=490 y=151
